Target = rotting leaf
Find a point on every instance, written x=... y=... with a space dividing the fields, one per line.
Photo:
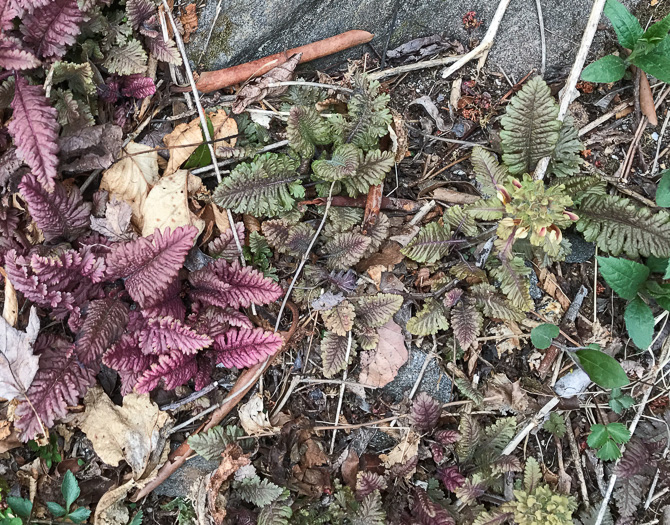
x=380 y=366
x=90 y=148
x=115 y=225
x=403 y=453
x=232 y=460
x=253 y=418
x=18 y=365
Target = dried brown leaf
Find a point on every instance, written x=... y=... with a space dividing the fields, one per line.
x=232 y=460
x=253 y=418
x=380 y=366
x=18 y=365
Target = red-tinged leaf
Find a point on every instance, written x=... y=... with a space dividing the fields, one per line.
x=451 y=477
x=425 y=412
x=59 y=383
x=139 y=11
x=428 y=512
x=466 y=322
x=164 y=50
x=224 y=245
x=138 y=86
x=447 y=437
x=106 y=319
x=150 y=264
x=8 y=11
x=34 y=127
x=61 y=214
x=51 y=29
x=437 y=451
x=367 y=482
x=126 y=356
x=13 y=56
x=223 y=284
x=172 y=370
x=334 y=353
x=164 y=335
x=30 y=5
x=215 y=321
x=168 y=304
x=242 y=347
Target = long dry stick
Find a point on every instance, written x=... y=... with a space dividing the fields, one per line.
x=571 y=84
x=341 y=396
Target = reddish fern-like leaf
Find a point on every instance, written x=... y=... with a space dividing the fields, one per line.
x=169 y=304
x=368 y=482
x=425 y=412
x=429 y=512
x=139 y=11
x=150 y=264
x=61 y=214
x=12 y=54
x=215 y=321
x=447 y=437
x=466 y=321
x=59 y=383
x=106 y=319
x=8 y=11
x=172 y=370
x=126 y=356
x=164 y=335
x=224 y=245
x=138 y=86
x=223 y=284
x=51 y=29
x=243 y=347
x=164 y=50
x=451 y=477
x=34 y=128
x=30 y=5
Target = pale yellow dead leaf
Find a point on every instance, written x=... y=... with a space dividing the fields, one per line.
x=502 y=394
x=191 y=133
x=110 y=510
x=135 y=432
x=10 y=310
x=220 y=218
x=380 y=366
x=131 y=178
x=252 y=417
x=402 y=453
x=166 y=206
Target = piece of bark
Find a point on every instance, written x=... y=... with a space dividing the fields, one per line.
x=213 y=80
x=647 y=100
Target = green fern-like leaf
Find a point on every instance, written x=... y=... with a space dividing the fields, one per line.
x=371 y=171
x=340 y=318
x=367 y=338
x=334 y=353
x=378 y=233
x=368 y=116
x=71 y=111
x=471 y=435
x=212 y=443
x=346 y=249
x=342 y=219
x=485 y=209
x=260 y=493
x=126 y=59
x=79 y=77
x=343 y=164
x=286 y=237
x=579 y=186
x=267 y=186
x=374 y=311
x=488 y=173
x=494 y=517
x=494 y=304
x=467 y=271
x=618 y=226
x=460 y=221
x=370 y=511
x=429 y=320
x=7 y=92
x=465 y=388
x=514 y=282
x=431 y=244
x=276 y=513
x=306 y=129
x=500 y=433
x=532 y=475
x=530 y=127
x=565 y=160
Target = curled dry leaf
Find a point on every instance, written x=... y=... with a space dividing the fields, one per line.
x=189 y=21
x=136 y=431
x=504 y=395
x=432 y=110
x=232 y=460
x=186 y=138
x=402 y=453
x=166 y=206
x=399 y=137
x=115 y=225
x=252 y=417
x=380 y=366
x=18 y=365
x=454 y=197
x=258 y=88
x=130 y=178
x=10 y=309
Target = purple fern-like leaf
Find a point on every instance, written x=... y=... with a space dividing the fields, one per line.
x=173 y=370
x=8 y=11
x=9 y=222
x=34 y=128
x=51 y=29
x=137 y=86
x=106 y=319
x=29 y=5
x=139 y=11
x=223 y=284
x=13 y=56
x=243 y=347
x=60 y=214
x=169 y=304
x=60 y=381
x=164 y=50
x=224 y=245
x=215 y=321
x=451 y=477
x=165 y=335
x=150 y=264
x=126 y=356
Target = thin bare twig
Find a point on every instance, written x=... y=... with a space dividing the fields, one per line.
x=342 y=387
x=543 y=43
x=530 y=426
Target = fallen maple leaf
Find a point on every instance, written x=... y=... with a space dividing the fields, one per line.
x=18 y=365
x=380 y=366
x=166 y=205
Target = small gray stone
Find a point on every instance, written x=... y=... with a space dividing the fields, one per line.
x=185 y=477
x=582 y=251
x=434 y=382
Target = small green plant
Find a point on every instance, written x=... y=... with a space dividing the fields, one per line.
x=649 y=50
x=49 y=452
x=620 y=401
x=259 y=254
x=663 y=190
x=21 y=509
x=603 y=369
x=555 y=425
x=630 y=280
x=606 y=440
x=185 y=511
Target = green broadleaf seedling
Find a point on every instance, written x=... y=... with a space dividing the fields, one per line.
x=606 y=440
x=542 y=335
x=620 y=401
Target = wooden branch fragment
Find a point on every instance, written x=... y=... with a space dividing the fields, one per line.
x=388 y=203
x=213 y=80
x=373 y=205
x=571 y=84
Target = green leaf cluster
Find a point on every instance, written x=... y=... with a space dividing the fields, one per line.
x=650 y=49
x=49 y=452
x=633 y=281
x=606 y=440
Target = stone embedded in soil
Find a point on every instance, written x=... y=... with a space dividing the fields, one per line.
x=179 y=484
x=250 y=29
x=434 y=382
x=582 y=251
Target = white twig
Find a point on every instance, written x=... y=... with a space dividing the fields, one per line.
x=211 y=30
x=571 y=84
x=228 y=162
x=530 y=426
x=481 y=51
x=654 y=168
x=341 y=397
x=597 y=122
x=538 y=4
